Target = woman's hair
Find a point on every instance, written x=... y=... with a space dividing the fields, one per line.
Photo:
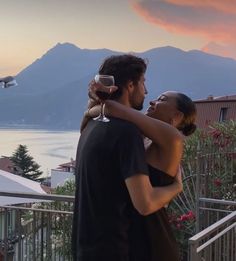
x=188 y=108
x=124 y=68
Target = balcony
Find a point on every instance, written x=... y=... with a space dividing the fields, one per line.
x=42 y=231
x=216 y=240
x=39 y=231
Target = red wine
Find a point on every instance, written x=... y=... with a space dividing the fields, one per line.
x=103 y=95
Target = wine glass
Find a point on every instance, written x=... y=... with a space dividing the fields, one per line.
x=107 y=81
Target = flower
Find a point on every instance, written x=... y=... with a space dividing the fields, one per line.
x=217 y=182
x=188 y=216
x=191 y=215
x=178 y=226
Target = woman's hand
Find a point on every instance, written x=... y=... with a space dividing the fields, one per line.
x=94 y=87
x=178 y=179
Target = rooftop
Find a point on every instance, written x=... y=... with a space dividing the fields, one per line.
x=211 y=98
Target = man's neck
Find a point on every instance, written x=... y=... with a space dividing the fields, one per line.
x=124 y=100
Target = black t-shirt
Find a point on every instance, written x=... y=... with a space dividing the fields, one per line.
x=107 y=154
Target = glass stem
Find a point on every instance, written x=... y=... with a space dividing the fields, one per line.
x=102 y=110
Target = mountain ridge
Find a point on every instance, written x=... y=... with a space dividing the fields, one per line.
x=52 y=91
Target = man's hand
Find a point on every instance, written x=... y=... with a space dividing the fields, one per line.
x=94 y=87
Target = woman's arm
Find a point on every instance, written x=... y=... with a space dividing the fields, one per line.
x=168 y=139
x=161 y=133
x=92 y=105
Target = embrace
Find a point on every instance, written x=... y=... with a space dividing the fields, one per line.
x=128 y=169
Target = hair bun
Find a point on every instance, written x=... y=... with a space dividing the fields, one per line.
x=189 y=129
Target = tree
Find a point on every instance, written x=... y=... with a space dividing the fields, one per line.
x=67 y=189
x=209 y=154
x=28 y=167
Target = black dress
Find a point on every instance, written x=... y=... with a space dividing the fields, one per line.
x=152 y=237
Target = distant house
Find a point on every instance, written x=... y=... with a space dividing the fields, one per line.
x=63 y=173
x=215 y=109
x=7 y=165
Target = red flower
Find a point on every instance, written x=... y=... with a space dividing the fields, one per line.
x=217 y=182
x=178 y=225
x=191 y=215
x=215 y=133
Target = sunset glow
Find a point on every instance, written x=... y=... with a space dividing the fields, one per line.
x=29 y=28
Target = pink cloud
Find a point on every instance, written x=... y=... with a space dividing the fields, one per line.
x=219 y=49
x=227 y=6
x=215 y=20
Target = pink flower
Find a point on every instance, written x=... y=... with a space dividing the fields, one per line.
x=178 y=225
x=215 y=133
x=217 y=182
x=191 y=215
x=184 y=217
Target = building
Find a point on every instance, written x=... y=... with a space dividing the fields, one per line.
x=215 y=109
x=7 y=165
x=63 y=173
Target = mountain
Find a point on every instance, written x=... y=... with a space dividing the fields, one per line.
x=61 y=65
x=52 y=91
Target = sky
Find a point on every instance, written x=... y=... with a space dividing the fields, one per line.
x=29 y=28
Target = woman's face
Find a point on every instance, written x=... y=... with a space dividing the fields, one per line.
x=164 y=108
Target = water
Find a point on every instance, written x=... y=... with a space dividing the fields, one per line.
x=48 y=148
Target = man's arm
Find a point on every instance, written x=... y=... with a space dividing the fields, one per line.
x=131 y=159
x=147 y=199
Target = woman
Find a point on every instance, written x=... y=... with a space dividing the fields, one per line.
x=163 y=159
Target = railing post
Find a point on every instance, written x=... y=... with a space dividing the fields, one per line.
x=198 y=189
x=33 y=237
x=193 y=256
x=19 y=231
x=5 y=234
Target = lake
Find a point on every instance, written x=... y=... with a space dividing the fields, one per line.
x=48 y=148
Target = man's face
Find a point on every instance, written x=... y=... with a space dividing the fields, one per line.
x=137 y=97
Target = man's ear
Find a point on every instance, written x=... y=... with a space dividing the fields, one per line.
x=130 y=86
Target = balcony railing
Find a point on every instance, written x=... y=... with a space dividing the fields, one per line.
x=42 y=230
x=217 y=242
x=37 y=231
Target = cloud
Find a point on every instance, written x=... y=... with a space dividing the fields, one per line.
x=227 y=6
x=213 y=19
x=222 y=50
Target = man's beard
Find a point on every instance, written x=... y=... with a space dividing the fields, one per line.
x=137 y=105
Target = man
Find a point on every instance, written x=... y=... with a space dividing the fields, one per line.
x=111 y=173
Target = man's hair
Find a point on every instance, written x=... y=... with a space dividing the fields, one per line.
x=124 y=68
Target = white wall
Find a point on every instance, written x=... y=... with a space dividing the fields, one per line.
x=58 y=177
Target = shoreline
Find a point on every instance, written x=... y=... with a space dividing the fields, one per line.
x=35 y=128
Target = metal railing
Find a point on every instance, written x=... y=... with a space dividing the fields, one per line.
x=36 y=231
x=212 y=210
x=42 y=230
x=217 y=241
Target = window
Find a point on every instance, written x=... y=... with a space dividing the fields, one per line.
x=223 y=113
